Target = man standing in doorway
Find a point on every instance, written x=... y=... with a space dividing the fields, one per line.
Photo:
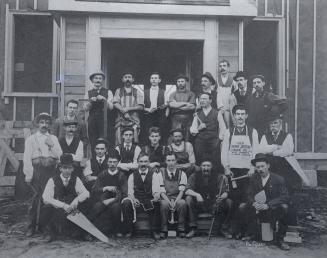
x=99 y=99
x=129 y=101
x=182 y=105
x=41 y=155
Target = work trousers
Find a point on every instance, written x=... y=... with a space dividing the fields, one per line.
x=180 y=208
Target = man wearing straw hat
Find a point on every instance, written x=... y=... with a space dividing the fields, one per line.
x=208 y=127
x=267 y=199
x=99 y=100
x=42 y=151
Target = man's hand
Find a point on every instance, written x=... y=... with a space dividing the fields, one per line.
x=28 y=180
x=49 y=142
x=228 y=172
x=172 y=204
x=202 y=126
x=100 y=97
x=93 y=99
x=199 y=198
x=136 y=202
x=110 y=189
x=251 y=171
x=222 y=197
x=152 y=110
x=108 y=201
x=74 y=205
x=156 y=197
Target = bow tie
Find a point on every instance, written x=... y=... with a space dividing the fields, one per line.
x=143 y=173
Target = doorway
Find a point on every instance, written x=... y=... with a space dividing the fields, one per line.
x=260 y=51
x=144 y=56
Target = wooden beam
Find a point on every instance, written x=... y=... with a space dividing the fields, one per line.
x=296 y=74
x=241 y=45
x=314 y=75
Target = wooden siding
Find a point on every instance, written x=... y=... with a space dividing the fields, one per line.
x=75 y=57
x=228 y=46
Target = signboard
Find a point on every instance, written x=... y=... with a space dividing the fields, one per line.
x=180 y=2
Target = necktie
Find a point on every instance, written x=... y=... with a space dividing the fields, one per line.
x=66 y=181
x=171 y=174
x=127 y=147
x=100 y=161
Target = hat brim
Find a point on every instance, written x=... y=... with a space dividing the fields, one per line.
x=43 y=116
x=266 y=159
x=94 y=74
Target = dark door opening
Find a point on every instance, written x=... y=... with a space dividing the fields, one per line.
x=168 y=57
x=260 y=51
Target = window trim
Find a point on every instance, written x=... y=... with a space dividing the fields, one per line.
x=9 y=54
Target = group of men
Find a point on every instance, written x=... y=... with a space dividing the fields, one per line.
x=224 y=143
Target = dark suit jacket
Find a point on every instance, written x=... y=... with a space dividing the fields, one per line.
x=275 y=189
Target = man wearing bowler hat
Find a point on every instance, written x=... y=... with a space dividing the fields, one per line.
x=182 y=105
x=42 y=151
x=99 y=99
x=267 y=200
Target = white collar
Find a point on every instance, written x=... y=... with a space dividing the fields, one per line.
x=174 y=171
x=146 y=171
x=129 y=145
x=154 y=88
x=102 y=158
x=113 y=173
x=265 y=180
x=64 y=179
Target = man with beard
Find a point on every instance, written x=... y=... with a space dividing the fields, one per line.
x=42 y=151
x=183 y=151
x=128 y=101
x=72 y=144
x=172 y=187
x=64 y=193
x=99 y=98
x=226 y=86
x=155 y=150
x=72 y=114
x=202 y=196
x=208 y=127
x=239 y=146
x=154 y=106
x=272 y=207
x=108 y=191
x=208 y=85
x=96 y=164
x=243 y=93
x=182 y=106
x=143 y=196
x=259 y=105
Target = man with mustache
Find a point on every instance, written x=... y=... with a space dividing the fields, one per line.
x=41 y=154
x=208 y=85
x=240 y=144
x=182 y=105
x=108 y=191
x=143 y=196
x=243 y=93
x=202 y=196
x=72 y=114
x=72 y=144
x=208 y=127
x=226 y=86
x=99 y=98
x=129 y=101
x=270 y=209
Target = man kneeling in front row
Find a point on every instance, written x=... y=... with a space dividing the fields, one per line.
x=207 y=192
x=267 y=201
x=64 y=194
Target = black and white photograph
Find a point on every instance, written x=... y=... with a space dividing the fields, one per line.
x=163 y=128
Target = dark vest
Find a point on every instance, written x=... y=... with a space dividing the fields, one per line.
x=243 y=99
x=207 y=191
x=280 y=139
x=212 y=125
x=228 y=83
x=127 y=156
x=160 y=99
x=182 y=157
x=65 y=194
x=72 y=148
x=96 y=168
x=109 y=180
x=97 y=106
x=172 y=185
x=143 y=190
x=155 y=155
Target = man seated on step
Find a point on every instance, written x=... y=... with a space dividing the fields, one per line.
x=70 y=143
x=63 y=194
x=154 y=149
x=267 y=201
x=108 y=191
x=207 y=192
x=172 y=187
x=183 y=151
x=96 y=164
x=143 y=196
x=128 y=151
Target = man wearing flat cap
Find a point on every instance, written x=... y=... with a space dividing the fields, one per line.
x=64 y=194
x=42 y=151
x=99 y=100
x=129 y=101
x=267 y=200
x=182 y=105
x=72 y=144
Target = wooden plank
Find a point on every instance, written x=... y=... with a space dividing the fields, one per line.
x=7 y=181
x=74 y=90
x=228 y=48
x=75 y=51
x=74 y=80
x=75 y=33
x=74 y=67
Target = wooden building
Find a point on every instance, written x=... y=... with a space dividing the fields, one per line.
x=49 y=47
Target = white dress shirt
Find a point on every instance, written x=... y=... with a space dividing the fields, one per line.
x=264 y=180
x=48 y=194
x=284 y=150
x=154 y=91
x=78 y=155
x=88 y=169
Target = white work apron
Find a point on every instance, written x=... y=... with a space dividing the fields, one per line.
x=240 y=151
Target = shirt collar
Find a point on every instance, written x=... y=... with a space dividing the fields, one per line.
x=129 y=145
x=146 y=171
x=113 y=173
x=64 y=179
x=174 y=171
x=154 y=88
x=208 y=109
x=39 y=133
x=102 y=159
x=265 y=180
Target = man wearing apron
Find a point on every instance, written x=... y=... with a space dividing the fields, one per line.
x=239 y=146
x=41 y=154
